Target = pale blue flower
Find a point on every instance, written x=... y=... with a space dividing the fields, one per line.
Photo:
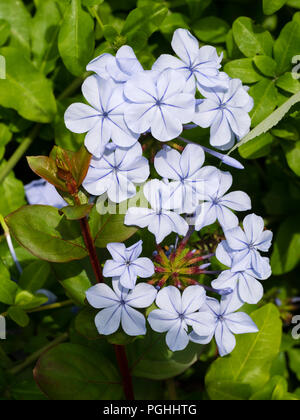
x=176 y=312
x=127 y=265
x=218 y=205
x=226 y=322
x=104 y=119
x=246 y=243
x=160 y=220
x=158 y=102
x=120 y=68
x=226 y=112
x=199 y=66
x=117 y=172
x=191 y=181
x=118 y=307
x=249 y=289
x=41 y=192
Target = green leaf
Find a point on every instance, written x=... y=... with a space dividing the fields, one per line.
x=85 y=324
x=265 y=98
x=4 y=31
x=58 y=240
x=292 y=154
x=25 y=89
x=266 y=65
x=45 y=28
x=275 y=389
x=294 y=361
x=249 y=364
x=76 y=287
x=250 y=39
x=146 y=19
x=288 y=83
x=16 y=14
x=211 y=29
x=286 y=253
x=8 y=288
x=110 y=33
x=258 y=147
x=286 y=131
x=150 y=357
x=76 y=39
x=287 y=46
x=34 y=276
x=27 y=300
x=197 y=7
x=272 y=6
x=243 y=69
x=172 y=22
x=109 y=228
x=5 y=137
x=75 y=372
x=12 y=194
x=270 y=121
x=77 y=212
x=19 y=316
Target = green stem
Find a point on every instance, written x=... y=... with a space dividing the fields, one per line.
x=51 y=306
x=94 y=13
x=46 y=307
x=35 y=356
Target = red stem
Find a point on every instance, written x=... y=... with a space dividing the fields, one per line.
x=119 y=350
x=125 y=372
x=88 y=240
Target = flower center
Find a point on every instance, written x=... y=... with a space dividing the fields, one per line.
x=105 y=114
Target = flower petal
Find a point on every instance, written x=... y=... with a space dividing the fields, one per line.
x=177 y=338
x=117 y=251
x=240 y=323
x=143 y=267
x=161 y=320
x=142 y=296
x=169 y=299
x=81 y=118
x=137 y=216
x=113 y=268
x=133 y=322
x=101 y=296
x=185 y=45
x=192 y=159
x=225 y=339
x=108 y=320
x=193 y=297
x=250 y=290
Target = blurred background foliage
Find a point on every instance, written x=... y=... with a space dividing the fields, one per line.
x=46 y=45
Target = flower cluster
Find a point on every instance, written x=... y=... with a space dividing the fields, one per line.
x=178 y=93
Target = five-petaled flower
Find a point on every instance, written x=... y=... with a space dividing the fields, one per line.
x=249 y=289
x=226 y=322
x=177 y=312
x=117 y=172
x=119 y=68
x=118 y=307
x=199 y=66
x=246 y=243
x=160 y=220
x=127 y=265
x=158 y=102
x=102 y=121
x=217 y=204
x=192 y=182
x=226 y=111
